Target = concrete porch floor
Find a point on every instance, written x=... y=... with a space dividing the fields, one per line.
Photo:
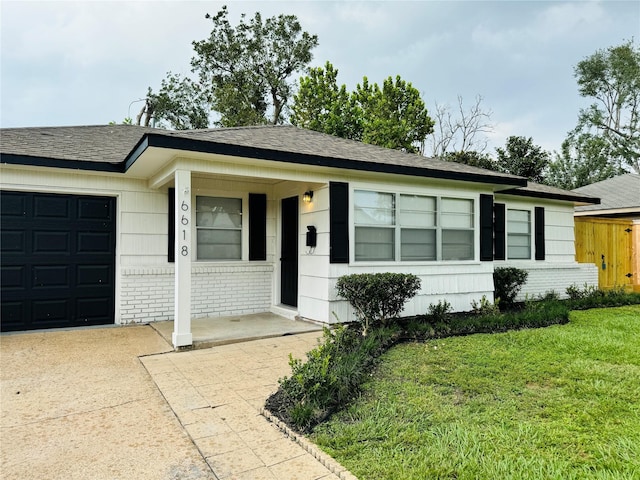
x=213 y=331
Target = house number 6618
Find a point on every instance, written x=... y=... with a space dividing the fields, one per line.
x=184 y=249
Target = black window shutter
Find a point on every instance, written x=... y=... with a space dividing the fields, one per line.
x=486 y=228
x=338 y=222
x=257 y=226
x=499 y=231
x=539 y=228
x=171 y=243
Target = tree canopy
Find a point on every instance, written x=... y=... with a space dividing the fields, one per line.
x=583 y=160
x=392 y=116
x=243 y=73
x=522 y=157
x=611 y=79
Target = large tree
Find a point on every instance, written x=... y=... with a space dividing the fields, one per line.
x=611 y=78
x=584 y=159
x=395 y=115
x=243 y=73
x=522 y=157
x=392 y=116
x=322 y=106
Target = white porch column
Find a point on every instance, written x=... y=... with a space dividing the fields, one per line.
x=182 y=336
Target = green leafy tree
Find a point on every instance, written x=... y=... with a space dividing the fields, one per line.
x=180 y=102
x=521 y=157
x=243 y=73
x=395 y=115
x=322 y=106
x=392 y=116
x=611 y=78
x=584 y=160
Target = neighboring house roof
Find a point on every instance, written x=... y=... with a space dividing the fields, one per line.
x=545 y=191
x=115 y=148
x=619 y=196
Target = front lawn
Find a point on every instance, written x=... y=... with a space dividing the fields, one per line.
x=561 y=402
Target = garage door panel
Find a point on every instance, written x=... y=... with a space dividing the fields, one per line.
x=95 y=209
x=51 y=276
x=92 y=311
x=52 y=206
x=94 y=242
x=13 y=241
x=12 y=278
x=13 y=315
x=58 y=260
x=13 y=205
x=93 y=275
x=48 y=241
x=53 y=311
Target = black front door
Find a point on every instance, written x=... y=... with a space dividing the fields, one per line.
x=289 y=253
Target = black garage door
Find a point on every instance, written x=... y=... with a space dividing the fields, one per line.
x=57 y=260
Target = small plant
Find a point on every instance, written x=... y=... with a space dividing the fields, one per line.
x=377 y=297
x=508 y=282
x=439 y=313
x=330 y=378
x=485 y=307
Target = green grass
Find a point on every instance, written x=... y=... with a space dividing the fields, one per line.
x=561 y=402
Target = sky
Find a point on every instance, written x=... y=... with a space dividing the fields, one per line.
x=88 y=62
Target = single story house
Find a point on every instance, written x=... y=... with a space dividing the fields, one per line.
x=123 y=224
x=608 y=234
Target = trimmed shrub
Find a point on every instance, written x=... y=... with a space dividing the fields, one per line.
x=485 y=307
x=439 y=312
x=377 y=297
x=593 y=297
x=508 y=282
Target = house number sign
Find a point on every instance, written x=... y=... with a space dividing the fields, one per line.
x=184 y=220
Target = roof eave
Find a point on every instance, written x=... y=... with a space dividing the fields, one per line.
x=206 y=146
x=35 y=161
x=553 y=196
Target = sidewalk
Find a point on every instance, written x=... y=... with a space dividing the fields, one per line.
x=217 y=394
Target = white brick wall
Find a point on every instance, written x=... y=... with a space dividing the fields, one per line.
x=545 y=277
x=147 y=293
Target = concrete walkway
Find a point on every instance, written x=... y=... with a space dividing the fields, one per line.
x=79 y=405
x=217 y=394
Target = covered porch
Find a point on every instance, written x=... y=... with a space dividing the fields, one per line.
x=214 y=331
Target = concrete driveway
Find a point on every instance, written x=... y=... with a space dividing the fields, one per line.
x=80 y=405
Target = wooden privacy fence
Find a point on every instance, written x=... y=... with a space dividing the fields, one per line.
x=612 y=244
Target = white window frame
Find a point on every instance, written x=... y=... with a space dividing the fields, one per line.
x=511 y=234
x=244 y=247
x=397 y=259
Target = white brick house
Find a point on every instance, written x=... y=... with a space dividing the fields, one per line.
x=124 y=224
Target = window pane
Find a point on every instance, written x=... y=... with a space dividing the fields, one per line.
x=519 y=234
x=218 y=212
x=519 y=221
x=457 y=213
x=374 y=243
x=457 y=244
x=418 y=244
x=417 y=211
x=219 y=244
x=373 y=208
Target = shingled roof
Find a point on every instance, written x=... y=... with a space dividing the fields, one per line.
x=618 y=195
x=116 y=148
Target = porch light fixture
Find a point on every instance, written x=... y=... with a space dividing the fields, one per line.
x=307 y=197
